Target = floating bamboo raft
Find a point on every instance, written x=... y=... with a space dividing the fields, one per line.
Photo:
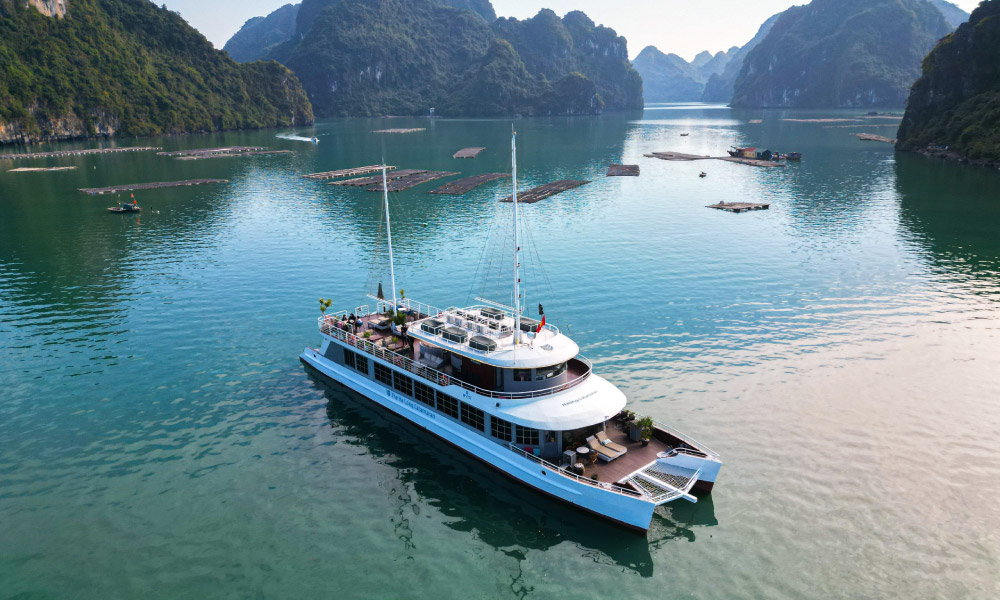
x=347 y=172
x=738 y=207
x=400 y=130
x=405 y=183
x=148 y=186
x=367 y=181
x=544 y=191
x=680 y=156
x=76 y=152
x=871 y=137
x=461 y=186
x=36 y=169
x=468 y=152
x=231 y=154
x=200 y=152
x=623 y=171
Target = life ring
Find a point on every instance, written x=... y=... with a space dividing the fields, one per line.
x=443 y=380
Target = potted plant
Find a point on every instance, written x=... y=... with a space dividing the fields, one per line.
x=399 y=319
x=324 y=303
x=634 y=428
x=366 y=335
x=646 y=430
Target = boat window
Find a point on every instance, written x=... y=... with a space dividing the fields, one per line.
x=349 y=359
x=362 y=364
x=402 y=383
x=423 y=393
x=550 y=372
x=526 y=436
x=473 y=416
x=522 y=374
x=383 y=374
x=500 y=429
x=447 y=405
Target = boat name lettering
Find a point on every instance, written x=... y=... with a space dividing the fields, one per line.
x=410 y=404
x=581 y=398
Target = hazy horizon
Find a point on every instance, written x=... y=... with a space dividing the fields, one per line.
x=673 y=26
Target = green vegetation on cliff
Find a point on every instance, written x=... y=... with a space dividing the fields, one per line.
x=375 y=57
x=128 y=67
x=840 y=53
x=259 y=35
x=956 y=102
x=552 y=48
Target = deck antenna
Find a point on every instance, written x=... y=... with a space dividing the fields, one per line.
x=517 y=247
x=388 y=233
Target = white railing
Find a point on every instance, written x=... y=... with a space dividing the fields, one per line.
x=700 y=450
x=329 y=325
x=611 y=487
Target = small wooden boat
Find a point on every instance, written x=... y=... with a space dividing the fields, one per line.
x=124 y=207
x=685 y=134
x=703 y=174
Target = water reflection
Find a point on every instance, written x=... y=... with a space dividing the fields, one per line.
x=488 y=506
x=951 y=214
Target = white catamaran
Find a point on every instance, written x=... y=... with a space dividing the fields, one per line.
x=514 y=393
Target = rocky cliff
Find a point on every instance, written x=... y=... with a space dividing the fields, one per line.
x=260 y=35
x=954 y=108
x=840 y=53
x=128 y=67
x=374 y=57
x=719 y=87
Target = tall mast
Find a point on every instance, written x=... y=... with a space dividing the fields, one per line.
x=517 y=242
x=388 y=232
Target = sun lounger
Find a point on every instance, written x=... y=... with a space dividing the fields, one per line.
x=605 y=454
x=607 y=443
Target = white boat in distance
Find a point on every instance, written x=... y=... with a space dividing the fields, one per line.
x=514 y=393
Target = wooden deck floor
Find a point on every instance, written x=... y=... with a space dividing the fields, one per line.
x=461 y=186
x=623 y=466
x=544 y=191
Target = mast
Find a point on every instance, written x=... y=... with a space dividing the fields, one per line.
x=517 y=242
x=388 y=233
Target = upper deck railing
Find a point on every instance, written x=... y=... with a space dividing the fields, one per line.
x=611 y=487
x=328 y=325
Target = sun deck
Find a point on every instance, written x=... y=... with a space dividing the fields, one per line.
x=637 y=456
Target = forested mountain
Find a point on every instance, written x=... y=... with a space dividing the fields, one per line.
x=719 y=87
x=956 y=101
x=667 y=77
x=260 y=35
x=553 y=48
x=840 y=53
x=670 y=78
x=128 y=67
x=374 y=57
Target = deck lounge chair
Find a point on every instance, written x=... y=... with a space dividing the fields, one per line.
x=605 y=454
x=607 y=443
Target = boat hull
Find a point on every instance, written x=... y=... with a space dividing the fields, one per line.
x=632 y=512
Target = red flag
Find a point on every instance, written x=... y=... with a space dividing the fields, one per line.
x=540 y=325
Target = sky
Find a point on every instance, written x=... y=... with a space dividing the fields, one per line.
x=684 y=27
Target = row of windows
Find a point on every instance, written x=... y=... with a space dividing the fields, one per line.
x=541 y=374
x=356 y=361
x=470 y=415
x=473 y=417
x=383 y=374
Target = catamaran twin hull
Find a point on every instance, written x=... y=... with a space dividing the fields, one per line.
x=669 y=468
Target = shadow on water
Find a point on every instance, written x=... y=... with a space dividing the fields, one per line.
x=487 y=505
x=952 y=212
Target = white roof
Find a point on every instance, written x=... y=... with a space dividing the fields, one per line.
x=591 y=402
x=547 y=347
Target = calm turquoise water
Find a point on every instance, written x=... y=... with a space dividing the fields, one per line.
x=159 y=438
